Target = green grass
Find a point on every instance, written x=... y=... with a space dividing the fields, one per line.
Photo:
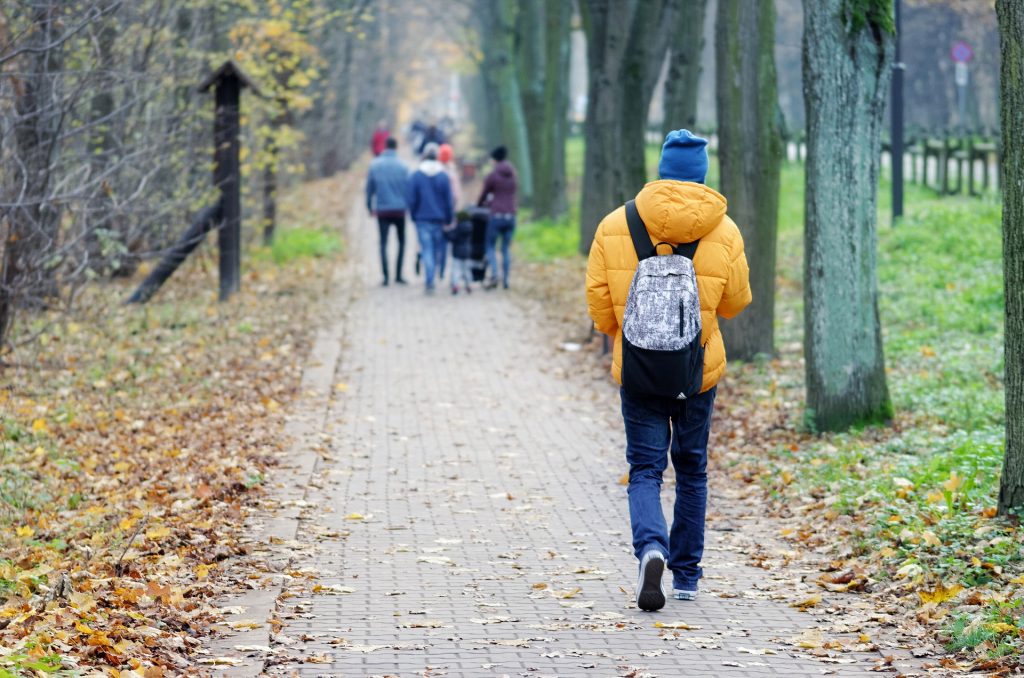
x=300 y=243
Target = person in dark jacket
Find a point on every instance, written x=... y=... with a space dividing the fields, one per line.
x=499 y=194
x=386 y=186
x=461 y=237
x=429 y=197
x=433 y=135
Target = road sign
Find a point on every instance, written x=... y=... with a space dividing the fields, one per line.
x=961 y=52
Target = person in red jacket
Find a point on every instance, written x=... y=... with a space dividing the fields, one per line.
x=499 y=194
x=380 y=137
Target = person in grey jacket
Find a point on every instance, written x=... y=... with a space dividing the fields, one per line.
x=386 y=186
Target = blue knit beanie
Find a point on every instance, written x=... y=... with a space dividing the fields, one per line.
x=684 y=157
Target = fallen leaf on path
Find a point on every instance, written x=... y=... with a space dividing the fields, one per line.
x=807 y=602
x=675 y=625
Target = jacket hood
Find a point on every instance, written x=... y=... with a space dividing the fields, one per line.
x=504 y=168
x=431 y=167
x=680 y=211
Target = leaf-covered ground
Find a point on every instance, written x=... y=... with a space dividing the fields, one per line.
x=897 y=523
x=130 y=439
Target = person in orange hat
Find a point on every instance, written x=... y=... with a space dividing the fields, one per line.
x=445 y=156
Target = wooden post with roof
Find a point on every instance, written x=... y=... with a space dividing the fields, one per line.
x=228 y=82
x=226 y=214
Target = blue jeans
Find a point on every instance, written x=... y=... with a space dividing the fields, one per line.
x=503 y=226
x=432 y=244
x=649 y=441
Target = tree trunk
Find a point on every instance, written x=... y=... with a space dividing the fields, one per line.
x=101 y=142
x=1011 y=85
x=606 y=23
x=477 y=90
x=684 y=68
x=544 y=78
x=644 y=57
x=498 y=37
x=529 y=54
x=749 y=155
x=626 y=45
x=271 y=167
x=28 y=277
x=846 y=74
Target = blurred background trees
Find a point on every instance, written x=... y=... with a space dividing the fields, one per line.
x=105 y=144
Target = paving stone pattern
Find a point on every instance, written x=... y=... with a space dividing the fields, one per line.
x=471 y=503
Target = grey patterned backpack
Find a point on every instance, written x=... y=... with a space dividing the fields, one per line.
x=661 y=351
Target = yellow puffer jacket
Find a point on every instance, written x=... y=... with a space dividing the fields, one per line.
x=674 y=212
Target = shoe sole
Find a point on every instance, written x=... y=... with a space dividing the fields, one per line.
x=651 y=597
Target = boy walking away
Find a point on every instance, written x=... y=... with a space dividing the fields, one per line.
x=499 y=194
x=461 y=237
x=429 y=197
x=663 y=313
x=386 y=186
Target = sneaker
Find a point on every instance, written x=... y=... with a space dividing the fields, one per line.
x=650 y=596
x=400 y=281
x=684 y=594
x=490 y=284
x=469 y=290
x=455 y=290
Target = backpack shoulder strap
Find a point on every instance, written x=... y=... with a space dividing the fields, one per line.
x=688 y=249
x=638 y=231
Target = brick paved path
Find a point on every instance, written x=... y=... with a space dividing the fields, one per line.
x=469 y=520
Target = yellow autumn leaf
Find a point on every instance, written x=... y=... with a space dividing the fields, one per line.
x=39 y=426
x=24 y=531
x=930 y=539
x=127 y=523
x=569 y=593
x=158 y=532
x=203 y=571
x=940 y=593
x=675 y=625
x=355 y=516
x=341 y=387
x=807 y=602
x=810 y=639
x=1002 y=627
x=954 y=482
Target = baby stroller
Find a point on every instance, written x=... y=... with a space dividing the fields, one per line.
x=478 y=251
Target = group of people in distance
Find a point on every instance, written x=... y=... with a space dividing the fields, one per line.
x=430 y=195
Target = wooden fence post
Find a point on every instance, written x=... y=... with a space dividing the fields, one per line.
x=228 y=81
